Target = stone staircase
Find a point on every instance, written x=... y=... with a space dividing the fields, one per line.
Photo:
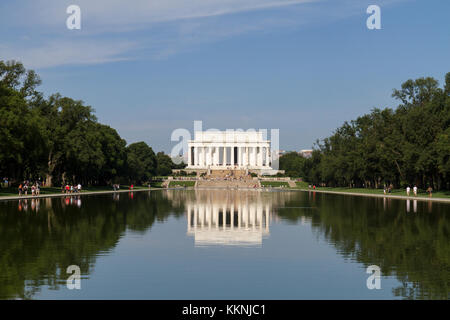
x=229 y=184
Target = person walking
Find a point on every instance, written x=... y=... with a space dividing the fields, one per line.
x=20 y=189
x=430 y=191
x=415 y=191
x=79 y=187
x=408 y=190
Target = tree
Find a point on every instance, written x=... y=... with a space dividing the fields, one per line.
x=141 y=162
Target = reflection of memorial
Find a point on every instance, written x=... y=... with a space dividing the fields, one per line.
x=221 y=217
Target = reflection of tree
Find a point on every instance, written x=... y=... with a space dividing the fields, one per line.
x=37 y=247
x=414 y=247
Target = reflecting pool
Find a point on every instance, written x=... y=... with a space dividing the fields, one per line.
x=224 y=244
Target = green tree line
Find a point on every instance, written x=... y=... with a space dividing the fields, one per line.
x=60 y=140
x=409 y=145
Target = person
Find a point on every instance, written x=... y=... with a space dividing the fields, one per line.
x=20 y=189
x=415 y=191
x=132 y=186
x=430 y=190
x=79 y=187
x=408 y=190
x=67 y=188
x=25 y=188
x=33 y=190
x=384 y=189
x=38 y=189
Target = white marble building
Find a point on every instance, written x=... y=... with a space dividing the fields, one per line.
x=229 y=150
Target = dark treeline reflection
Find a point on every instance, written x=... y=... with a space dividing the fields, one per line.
x=410 y=241
x=40 y=238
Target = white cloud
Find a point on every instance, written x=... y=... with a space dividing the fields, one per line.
x=57 y=53
x=104 y=14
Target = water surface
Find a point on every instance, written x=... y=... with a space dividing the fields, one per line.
x=218 y=244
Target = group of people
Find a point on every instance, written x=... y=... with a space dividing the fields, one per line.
x=408 y=191
x=71 y=188
x=26 y=186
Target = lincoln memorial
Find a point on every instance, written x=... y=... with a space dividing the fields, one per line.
x=235 y=150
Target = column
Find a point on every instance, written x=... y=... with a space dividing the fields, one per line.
x=258 y=154
x=189 y=155
x=202 y=156
x=216 y=156
x=225 y=155
x=210 y=155
x=246 y=156
x=195 y=162
x=239 y=156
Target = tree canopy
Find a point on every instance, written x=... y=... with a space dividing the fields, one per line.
x=406 y=146
x=59 y=139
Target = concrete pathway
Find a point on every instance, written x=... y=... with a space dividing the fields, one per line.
x=377 y=195
x=87 y=193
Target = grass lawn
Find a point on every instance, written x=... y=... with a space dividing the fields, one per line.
x=302 y=184
x=174 y=184
x=274 y=184
x=156 y=184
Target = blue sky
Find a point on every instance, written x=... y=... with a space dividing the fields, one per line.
x=151 y=66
